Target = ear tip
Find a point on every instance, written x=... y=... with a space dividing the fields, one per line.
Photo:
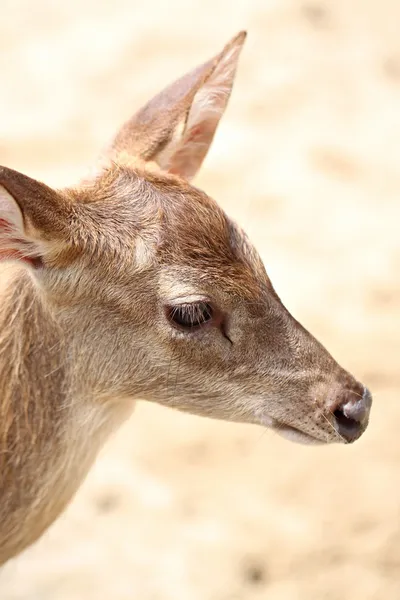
x=235 y=44
x=239 y=38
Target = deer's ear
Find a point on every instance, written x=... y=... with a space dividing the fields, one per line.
x=33 y=217
x=176 y=128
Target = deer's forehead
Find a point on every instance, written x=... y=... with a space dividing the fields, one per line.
x=212 y=264
x=182 y=229
x=178 y=218
x=213 y=250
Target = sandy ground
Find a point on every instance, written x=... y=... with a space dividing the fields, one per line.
x=308 y=159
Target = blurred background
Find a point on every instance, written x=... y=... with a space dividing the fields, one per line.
x=307 y=159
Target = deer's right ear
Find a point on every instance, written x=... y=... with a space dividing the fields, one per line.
x=176 y=128
x=33 y=217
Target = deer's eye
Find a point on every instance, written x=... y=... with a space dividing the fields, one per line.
x=191 y=315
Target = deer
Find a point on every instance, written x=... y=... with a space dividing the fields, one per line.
x=135 y=285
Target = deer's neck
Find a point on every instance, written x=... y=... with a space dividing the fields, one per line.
x=32 y=373
x=49 y=435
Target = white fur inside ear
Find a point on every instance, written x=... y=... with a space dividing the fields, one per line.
x=10 y=212
x=163 y=157
x=210 y=101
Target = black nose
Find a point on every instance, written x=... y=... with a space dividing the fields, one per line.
x=352 y=415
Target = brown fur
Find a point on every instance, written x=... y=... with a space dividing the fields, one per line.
x=83 y=327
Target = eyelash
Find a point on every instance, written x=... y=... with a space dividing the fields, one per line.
x=193 y=316
x=190 y=316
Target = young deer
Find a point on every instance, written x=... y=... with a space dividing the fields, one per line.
x=135 y=284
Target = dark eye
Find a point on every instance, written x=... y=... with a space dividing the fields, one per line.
x=191 y=315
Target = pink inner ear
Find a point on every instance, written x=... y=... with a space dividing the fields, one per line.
x=196 y=133
x=4 y=225
x=191 y=154
x=13 y=253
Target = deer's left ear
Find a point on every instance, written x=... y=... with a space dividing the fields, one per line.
x=33 y=217
x=175 y=129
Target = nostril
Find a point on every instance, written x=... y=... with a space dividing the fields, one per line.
x=348 y=427
x=352 y=416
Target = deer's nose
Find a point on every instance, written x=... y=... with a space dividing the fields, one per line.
x=352 y=414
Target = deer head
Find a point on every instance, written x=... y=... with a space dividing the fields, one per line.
x=159 y=293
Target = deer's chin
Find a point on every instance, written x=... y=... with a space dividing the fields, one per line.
x=291 y=433
x=294 y=435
